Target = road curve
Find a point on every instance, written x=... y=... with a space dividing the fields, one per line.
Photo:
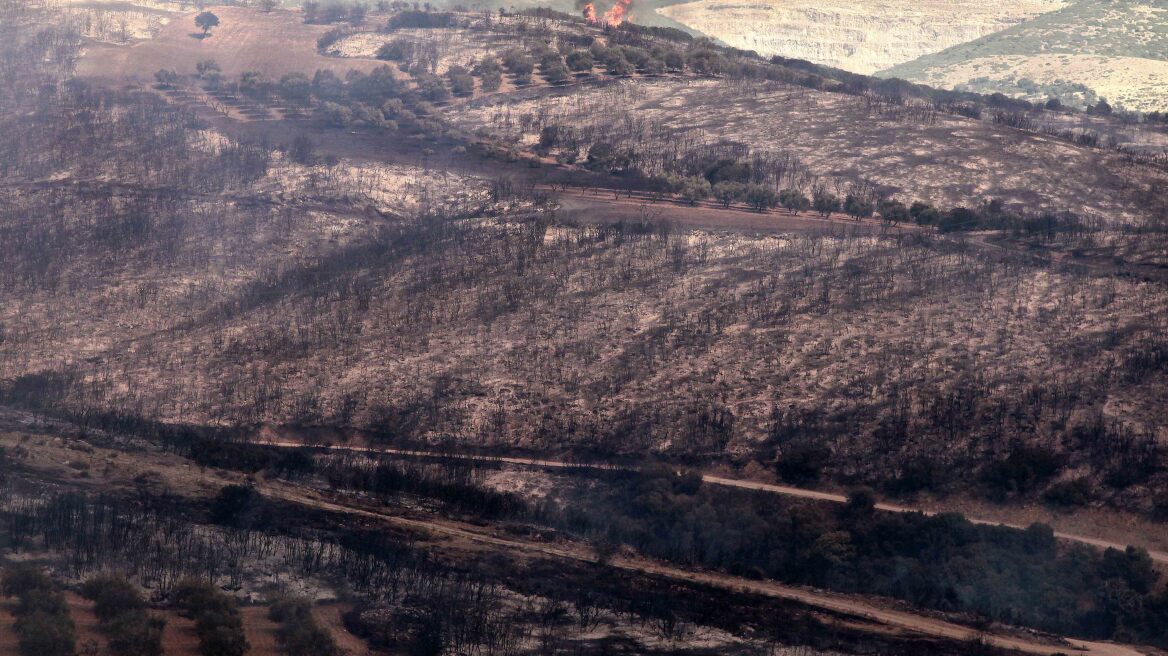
x=786 y=490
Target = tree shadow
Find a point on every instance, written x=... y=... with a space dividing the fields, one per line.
x=199 y=35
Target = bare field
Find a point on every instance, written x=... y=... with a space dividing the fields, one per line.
x=859 y=37
x=117 y=24
x=602 y=207
x=246 y=40
x=448 y=46
x=1135 y=84
x=330 y=616
x=9 y=641
x=260 y=631
x=179 y=638
x=88 y=630
x=1112 y=49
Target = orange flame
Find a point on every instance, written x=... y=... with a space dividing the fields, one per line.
x=590 y=12
x=616 y=15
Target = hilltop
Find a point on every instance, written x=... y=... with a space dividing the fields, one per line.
x=859 y=37
x=1080 y=53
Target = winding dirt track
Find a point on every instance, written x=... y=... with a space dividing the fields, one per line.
x=865 y=609
x=608 y=205
x=802 y=493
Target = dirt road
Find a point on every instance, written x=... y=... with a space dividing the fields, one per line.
x=607 y=206
x=837 y=603
x=181 y=477
x=802 y=493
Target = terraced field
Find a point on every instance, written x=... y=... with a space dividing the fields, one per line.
x=1117 y=50
x=859 y=37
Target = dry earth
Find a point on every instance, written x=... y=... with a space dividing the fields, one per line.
x=242 y=42
x=1113 y=49
x=1133 y=83
x=260 y=631
x=88 y=630
x=9 y=641
x=179 y=638
x=331 y=617
x=862 y=37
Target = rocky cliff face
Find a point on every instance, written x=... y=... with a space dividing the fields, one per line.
x=861 y=37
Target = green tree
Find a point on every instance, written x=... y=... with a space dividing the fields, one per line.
x=296 y=88
x=580 y=61
x=461 y=82
x=396 y=50
x=555 y=72
x=432 y=88
x=492 y=80
x=135 y=634
x=207 y=67
x=761 y=197
x=728 y=192
x=112 y=596
x=693 y=189
x=793 y=200
x=858 y=207
x=166 y=78
x=924 y=213
x=205 y=21
x=653 y=66
x=893 y=211
x=825 y=202
x=620 y=67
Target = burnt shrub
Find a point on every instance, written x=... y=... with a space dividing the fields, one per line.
x=1068 y=494
x=299 y=634
x=803 y=463
x=237 y=506
x=112 y=596
x=420 y=20
x=1023 y=470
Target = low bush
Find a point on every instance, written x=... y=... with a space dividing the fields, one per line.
x=122 y=615
x=43 y=624
x=217 y=620
x=299 y=634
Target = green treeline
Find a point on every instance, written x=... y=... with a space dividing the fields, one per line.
x=942 y=562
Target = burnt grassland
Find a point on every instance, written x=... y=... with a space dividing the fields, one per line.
x=405 y=587
x=254 y=535
x=194 y=278
x=913 y=363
